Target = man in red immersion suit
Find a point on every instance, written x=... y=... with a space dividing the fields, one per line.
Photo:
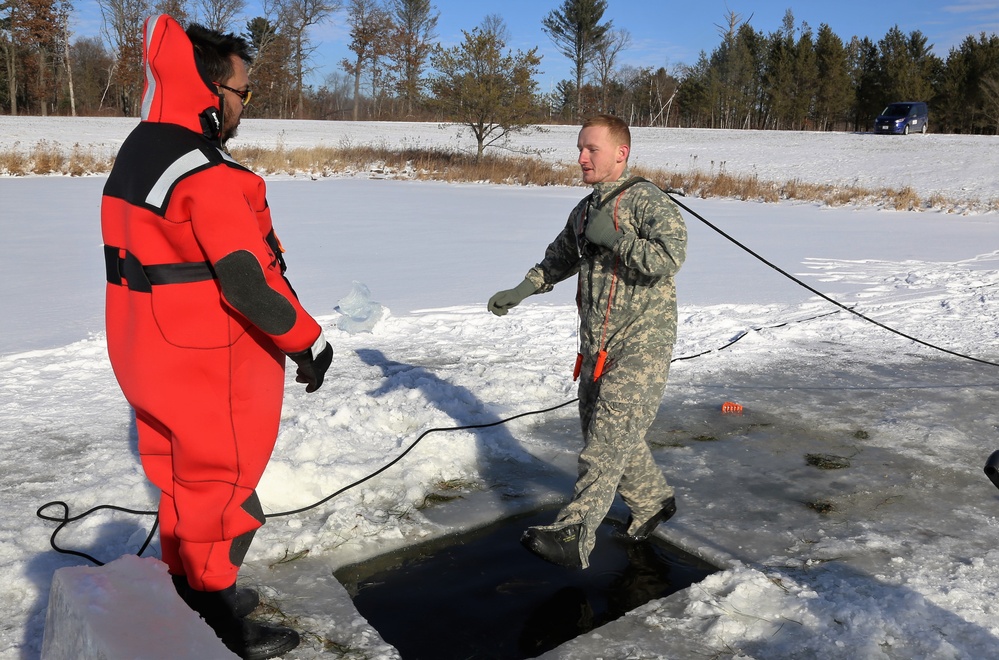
x=200 y=318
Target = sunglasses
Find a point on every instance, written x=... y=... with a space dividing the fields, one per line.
x=244 y=96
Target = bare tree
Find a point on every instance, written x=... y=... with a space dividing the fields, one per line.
x=492 y=93
x=295 y=18
x=218 y=15
x=63 y=17
x=370 y=27
x=494 y=26
x=37 y=31
x=91 y=65
x=123 y=32
x=605 y=55
x=8 y=47
x=411 y=45
x=732 y=23
x=175 y=9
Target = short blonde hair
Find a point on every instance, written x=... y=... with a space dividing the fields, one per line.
x=616 y=127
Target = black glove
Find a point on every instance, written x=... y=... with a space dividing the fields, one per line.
x=502 y=301
x=313 y=363
x=600 y=228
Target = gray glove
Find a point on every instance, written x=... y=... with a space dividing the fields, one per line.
x=600 y=228
x=502 y=301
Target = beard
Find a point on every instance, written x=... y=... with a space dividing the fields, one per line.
x=229 y=131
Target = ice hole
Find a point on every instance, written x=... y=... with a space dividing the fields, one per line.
x=482 y=595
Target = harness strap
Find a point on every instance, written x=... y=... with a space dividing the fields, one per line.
x=142 y=278
x=620 y=189
x=613 y=195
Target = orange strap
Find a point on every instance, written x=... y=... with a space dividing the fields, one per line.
x=598 y=370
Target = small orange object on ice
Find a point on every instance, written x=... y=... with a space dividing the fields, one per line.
x=732 y=408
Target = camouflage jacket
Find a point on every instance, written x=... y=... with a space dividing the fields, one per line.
x=626 y=296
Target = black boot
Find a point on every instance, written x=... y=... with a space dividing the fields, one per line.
x=247 y=598
x=246 y=638
x=649 y=526
x=559 y=546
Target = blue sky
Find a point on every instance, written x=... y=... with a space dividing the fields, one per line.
x=666 y=32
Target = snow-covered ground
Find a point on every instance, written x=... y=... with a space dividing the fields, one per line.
x=889 y=557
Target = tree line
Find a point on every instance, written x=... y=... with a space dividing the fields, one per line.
x=794 y=78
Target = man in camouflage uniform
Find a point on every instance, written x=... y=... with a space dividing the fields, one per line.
x=626 y=246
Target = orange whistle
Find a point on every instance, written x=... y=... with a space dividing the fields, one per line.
x=578 y=367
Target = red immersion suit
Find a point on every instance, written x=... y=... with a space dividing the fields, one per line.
x=199 y=314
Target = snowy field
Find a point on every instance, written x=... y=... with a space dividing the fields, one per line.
x=959 y=167
x=889 y=556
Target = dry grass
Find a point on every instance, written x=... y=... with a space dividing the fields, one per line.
x=13 y=163
x=751 y=188
x=452 y=166
x=47 y=158
x=424 y=164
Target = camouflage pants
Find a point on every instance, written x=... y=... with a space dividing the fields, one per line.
x=616 y=412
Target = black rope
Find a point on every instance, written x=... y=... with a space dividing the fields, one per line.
x=409 y=449
x=508 y=419
x=746 y=332
x=66 y=518
x=824 y=296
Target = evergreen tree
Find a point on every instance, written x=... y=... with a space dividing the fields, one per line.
x=694 y=95
x=833 y=92
x=575 y=29
x=906 y=66
x=805 y=79
x=273 y=81
x=746 y=76
x=734 y=81
x=967 y=90
x=779 y=75
x=370 y=27
x=866 y=76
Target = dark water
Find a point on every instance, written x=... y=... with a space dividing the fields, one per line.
x=483 y=596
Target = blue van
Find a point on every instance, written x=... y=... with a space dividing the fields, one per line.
x=903 y=118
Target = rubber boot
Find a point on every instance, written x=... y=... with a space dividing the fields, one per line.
x=559 y=546
x=247 y=598
x=642 y=533
x=246 y=638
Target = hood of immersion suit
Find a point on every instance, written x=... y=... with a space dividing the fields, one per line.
x=176 y=90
